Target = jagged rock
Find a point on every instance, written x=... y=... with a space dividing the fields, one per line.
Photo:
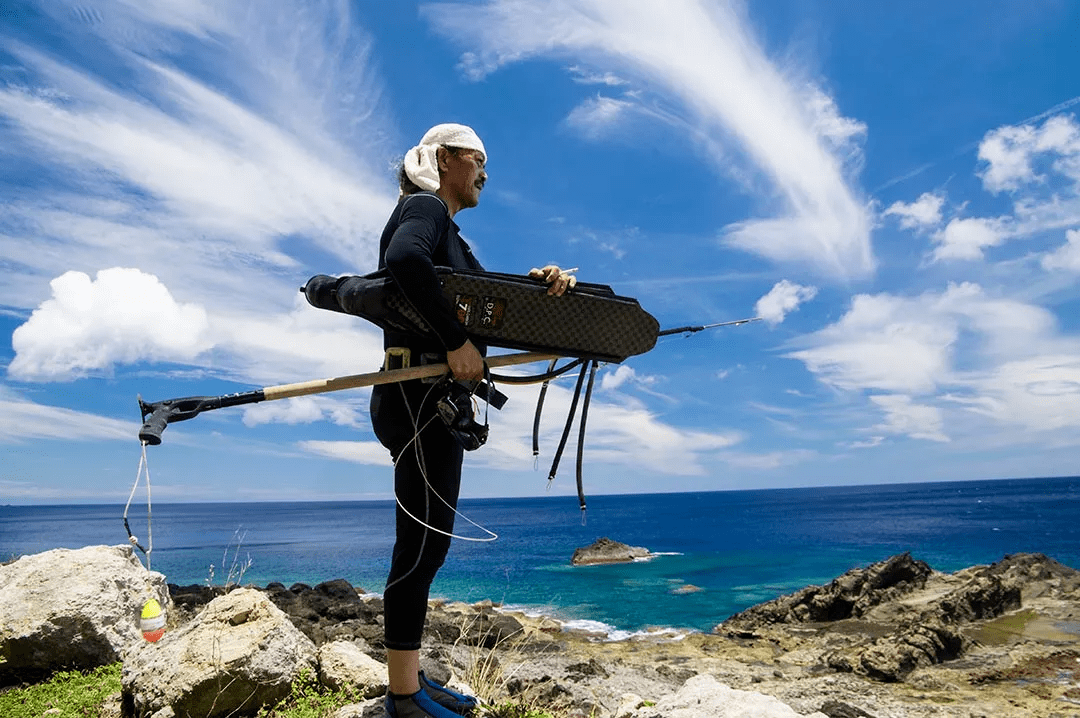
x=604 y=550
x=331 y=611
x=476 y=626
x=851 y=595
x=1029 y=567
x=343 y=664
x=74 y=608
x=839 y=709
x=703 y=695
x=240 y=653
x=892 y=658
x=591 y=668
x=983 y=597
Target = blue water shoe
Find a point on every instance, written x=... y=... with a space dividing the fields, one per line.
x=416 y=705
x=457 y=702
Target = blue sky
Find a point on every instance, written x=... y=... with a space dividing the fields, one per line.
x=894 y=187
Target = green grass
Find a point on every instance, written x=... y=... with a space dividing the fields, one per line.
x=73 y=693
x=309 y=699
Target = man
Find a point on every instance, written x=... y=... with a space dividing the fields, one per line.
x=442 y=175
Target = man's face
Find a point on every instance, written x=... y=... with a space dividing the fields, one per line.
x=463 y=176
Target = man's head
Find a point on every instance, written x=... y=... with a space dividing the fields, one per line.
x=449 y=160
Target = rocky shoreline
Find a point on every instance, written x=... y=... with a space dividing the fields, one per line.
x=891 y=640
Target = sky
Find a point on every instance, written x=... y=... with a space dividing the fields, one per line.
x=893 y=187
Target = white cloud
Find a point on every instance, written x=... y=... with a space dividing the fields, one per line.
x=908 y=345
x=357 y=452
x=883 y=342
x=299 y=345
x=597 y=116
x=867 y=444
x=1067 y=256
x=923 y=213
x=997 y=357
x=620 y=433
x=24 y=420
x=769 y=460
x=966 y=238
x=123 y=316
x=1011 y=153
x=1040 y=393
x=585 y=76
x=303 y=410
x=783 y=298
x=126 y=316
x=903 y=416
x=795 y=139
x=614 y=379
x=843 y=133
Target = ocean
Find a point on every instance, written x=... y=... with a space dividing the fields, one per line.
x=718 y=552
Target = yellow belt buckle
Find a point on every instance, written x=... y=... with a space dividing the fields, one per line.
x=397 y=358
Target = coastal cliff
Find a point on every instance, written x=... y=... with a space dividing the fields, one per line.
x=891 y=640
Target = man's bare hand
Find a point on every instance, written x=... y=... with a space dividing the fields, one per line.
x=561 y=280
x=465 y=362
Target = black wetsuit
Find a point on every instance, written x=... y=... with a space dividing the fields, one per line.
x=419 y=236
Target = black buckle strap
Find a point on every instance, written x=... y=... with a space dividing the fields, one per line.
x=592 y=366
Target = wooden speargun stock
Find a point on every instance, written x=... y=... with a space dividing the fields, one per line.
x=157 y=415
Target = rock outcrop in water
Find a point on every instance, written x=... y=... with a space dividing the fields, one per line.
x=604 y=550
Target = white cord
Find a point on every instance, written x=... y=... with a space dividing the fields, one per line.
x=144 y=466
x=415 y=440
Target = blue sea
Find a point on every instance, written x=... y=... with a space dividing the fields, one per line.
x=738 y=547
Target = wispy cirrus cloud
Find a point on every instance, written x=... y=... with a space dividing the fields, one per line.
x=23 y=420
x=786 y=129
x=207 y=175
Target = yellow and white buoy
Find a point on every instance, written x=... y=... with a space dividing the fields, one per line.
x=152 y=621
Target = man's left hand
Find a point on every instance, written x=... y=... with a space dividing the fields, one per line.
x=561 y=280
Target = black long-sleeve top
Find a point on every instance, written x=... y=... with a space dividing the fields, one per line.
x=419 y=236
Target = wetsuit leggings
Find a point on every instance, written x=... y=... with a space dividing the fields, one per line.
x=396 y=411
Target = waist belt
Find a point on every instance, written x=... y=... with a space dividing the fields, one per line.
x=403 y=358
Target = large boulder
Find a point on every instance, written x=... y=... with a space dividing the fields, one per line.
x=74 y=608
x=240 y=653
x=604 y=550
x=343 y=665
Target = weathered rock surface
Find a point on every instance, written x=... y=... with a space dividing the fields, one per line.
x=604 y=550
x=238 y=654
x=705 y=696
x=850 y=595
x=343 y=664
x=897 y=616
x=78 y=608
x=331 y=611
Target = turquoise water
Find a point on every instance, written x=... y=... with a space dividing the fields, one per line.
x=738 y=547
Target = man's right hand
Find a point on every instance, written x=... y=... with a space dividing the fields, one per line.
x=465 y=362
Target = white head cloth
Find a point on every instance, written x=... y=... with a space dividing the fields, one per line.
x=421 y=165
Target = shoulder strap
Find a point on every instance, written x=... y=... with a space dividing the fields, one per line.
x=428 y=194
